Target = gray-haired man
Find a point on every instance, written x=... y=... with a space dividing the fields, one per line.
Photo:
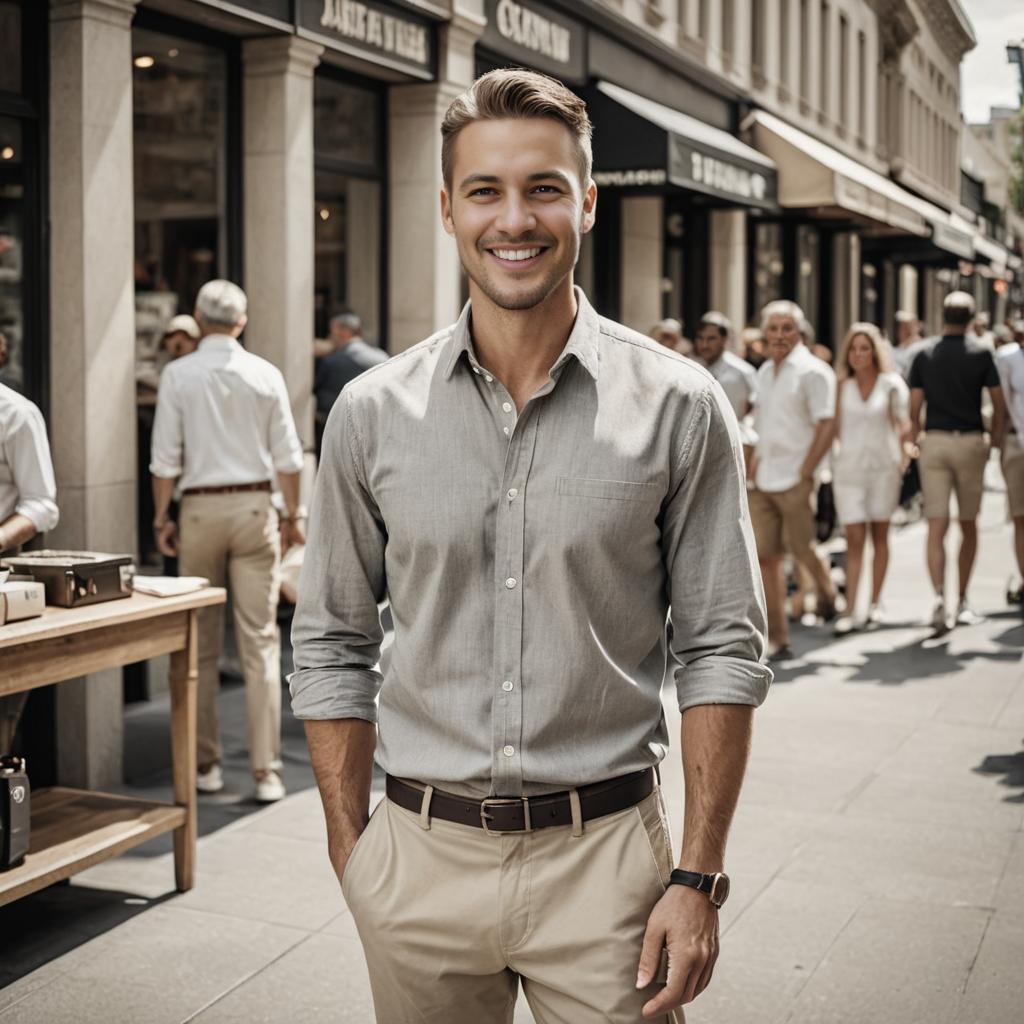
x=223 y=429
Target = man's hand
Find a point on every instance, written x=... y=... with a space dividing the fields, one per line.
x=292 y=533
x=167 y=538
x=340 y=844
x=685 y=922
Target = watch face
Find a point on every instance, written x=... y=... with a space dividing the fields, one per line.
x=719 y=889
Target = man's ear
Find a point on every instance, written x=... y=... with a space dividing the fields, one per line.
x=447 y=220
x=589 y=208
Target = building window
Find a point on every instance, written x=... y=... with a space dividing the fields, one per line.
x=728 y=28
x=784 y=47
x=862 y=87
x=757 y=41
x=808 y=259
x=348 y=141
x=703 y=18
x=769 y=266
x=805 y=48
x=844 y=73
x=824 y=62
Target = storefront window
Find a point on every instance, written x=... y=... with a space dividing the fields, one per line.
x=180 y=97
x=348 y=214
x=768 y=265
x=808 y=282
x=12 y=249
x=870 y=297
x=10 y=46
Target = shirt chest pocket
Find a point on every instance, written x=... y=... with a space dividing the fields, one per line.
x=609 y=490
x=614 y=515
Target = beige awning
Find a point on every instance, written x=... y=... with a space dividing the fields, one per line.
x=813 y=175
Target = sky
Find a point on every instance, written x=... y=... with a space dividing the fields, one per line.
x=987 y=79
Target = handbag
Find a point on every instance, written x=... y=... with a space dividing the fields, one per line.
x=825 y=517
x=910 y=486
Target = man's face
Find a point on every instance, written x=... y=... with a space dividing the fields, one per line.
x=907 y=330
x=179 y=344
x=781 y=334
x=667 y=337
x=516 y=208
x=710 y=344
x=340 y=334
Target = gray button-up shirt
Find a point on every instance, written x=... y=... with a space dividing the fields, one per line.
x=530 y=562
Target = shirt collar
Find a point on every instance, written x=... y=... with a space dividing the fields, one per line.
x=218 y=343
x=582 y=342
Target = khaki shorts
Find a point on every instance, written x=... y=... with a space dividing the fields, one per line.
x=783 y=520
x=1012 y=461
x=953 y=463
x=453 y=920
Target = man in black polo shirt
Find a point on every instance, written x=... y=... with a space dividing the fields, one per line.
x=949 y=375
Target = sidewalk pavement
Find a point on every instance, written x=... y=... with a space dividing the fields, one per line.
x=877 y=856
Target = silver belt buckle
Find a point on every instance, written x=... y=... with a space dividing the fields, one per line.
x=501 y=801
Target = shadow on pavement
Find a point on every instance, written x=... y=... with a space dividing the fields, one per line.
x=1012 y=767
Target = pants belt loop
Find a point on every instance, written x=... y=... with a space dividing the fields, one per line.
x=428 y=793
x=577 y=813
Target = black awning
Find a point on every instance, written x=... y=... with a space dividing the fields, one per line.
x=639 y=143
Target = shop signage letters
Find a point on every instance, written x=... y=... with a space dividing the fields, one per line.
x=526 y=32
x=630 y=179
x=737 y=181
x=384 y=32
x=534 y=31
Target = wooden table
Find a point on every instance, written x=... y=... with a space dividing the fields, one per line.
x=73 y=829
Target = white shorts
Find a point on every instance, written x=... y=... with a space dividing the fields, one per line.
x=863 y=498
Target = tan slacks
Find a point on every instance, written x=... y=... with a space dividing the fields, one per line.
x=233 y=540
x=452 y=919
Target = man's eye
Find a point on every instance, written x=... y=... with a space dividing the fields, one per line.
x=547 y=188
x=482 y=191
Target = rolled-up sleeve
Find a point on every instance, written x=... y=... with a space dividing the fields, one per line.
x=285 y=447
x=819 y=388
x=336 y=632
x=168 y=445
x=27 y=452
x=718 y=617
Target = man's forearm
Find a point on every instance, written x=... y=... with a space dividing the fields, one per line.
x=342 y=755
x=163 y=494
x=716 y=745
x=18 y=529
x=289 y=484
x=821 y=444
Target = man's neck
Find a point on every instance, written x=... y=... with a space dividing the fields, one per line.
x=953 y=332
x=519 y=346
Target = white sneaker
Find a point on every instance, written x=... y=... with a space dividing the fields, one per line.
x=876 y=615
x=270 y=788
x=939 y=621
x=845 y=625
x=966 y=616
x=210 y=781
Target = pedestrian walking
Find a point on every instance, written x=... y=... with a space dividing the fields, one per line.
x=737 y=377
x=532 y=488
x=908 y=341
x=1010 y=366
x=950 y=376
x=872 y=425
x=223 y=429
x=793 y=421
x=669 y=332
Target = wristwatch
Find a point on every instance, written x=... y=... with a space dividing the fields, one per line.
x=716 y=886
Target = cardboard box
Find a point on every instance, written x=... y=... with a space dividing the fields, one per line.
x=21 y=601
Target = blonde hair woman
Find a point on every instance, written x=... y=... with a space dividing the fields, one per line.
x=872 y=424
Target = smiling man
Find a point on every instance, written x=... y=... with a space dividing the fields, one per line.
x=531 y=489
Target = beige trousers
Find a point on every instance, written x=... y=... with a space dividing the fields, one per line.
x=452 y=919
x=233 y=540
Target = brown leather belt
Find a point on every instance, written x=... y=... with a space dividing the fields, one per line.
x=263 y=485
x=522 y=814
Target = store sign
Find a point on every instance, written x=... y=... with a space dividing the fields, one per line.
x=630 y=179
x=533 y=35
x=372 y=31
x=719 y=175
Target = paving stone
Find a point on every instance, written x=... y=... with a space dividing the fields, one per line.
x=995 y=989
x=896 y=962
x=159 y=968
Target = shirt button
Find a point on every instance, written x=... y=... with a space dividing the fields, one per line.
x=507 y=685
x=512 y=492
x=488 y=378
x=505 y=429
x=511 y=583
x=507 y=406
x=508 y=750
x=476 y=371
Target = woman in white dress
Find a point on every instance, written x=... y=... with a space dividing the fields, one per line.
x=872 y=425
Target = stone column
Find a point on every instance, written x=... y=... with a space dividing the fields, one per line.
x=92 y=312
x=279 y=204
x=846 y=273
x=425 y=289
x=641 y=267
x=728 y=286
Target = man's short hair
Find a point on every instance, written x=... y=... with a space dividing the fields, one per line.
x=221 y=303
x=667 y=324
x=350 y=321
x=719 y=321
x=957 y=309
x=904 y=316
x=783 y=307
x=510 y=93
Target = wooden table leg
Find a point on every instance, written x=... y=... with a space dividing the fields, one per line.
x=184 y=681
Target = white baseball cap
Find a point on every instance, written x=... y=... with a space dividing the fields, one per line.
x=183 y=322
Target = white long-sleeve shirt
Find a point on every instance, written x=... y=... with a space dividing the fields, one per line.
x=27 y=485
x=222 y=418
x=1010 y=367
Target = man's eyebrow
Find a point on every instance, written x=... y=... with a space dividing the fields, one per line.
x=493 y=179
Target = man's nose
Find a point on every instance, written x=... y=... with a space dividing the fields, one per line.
x=515 y=217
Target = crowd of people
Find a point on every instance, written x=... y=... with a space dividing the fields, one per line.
x=886 y=421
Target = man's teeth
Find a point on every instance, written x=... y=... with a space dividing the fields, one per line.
x=516 y=254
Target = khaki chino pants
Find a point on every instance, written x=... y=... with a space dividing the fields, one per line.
x=452 y=919
x=234 y=540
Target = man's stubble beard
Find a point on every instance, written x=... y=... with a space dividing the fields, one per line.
x=520 y=301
